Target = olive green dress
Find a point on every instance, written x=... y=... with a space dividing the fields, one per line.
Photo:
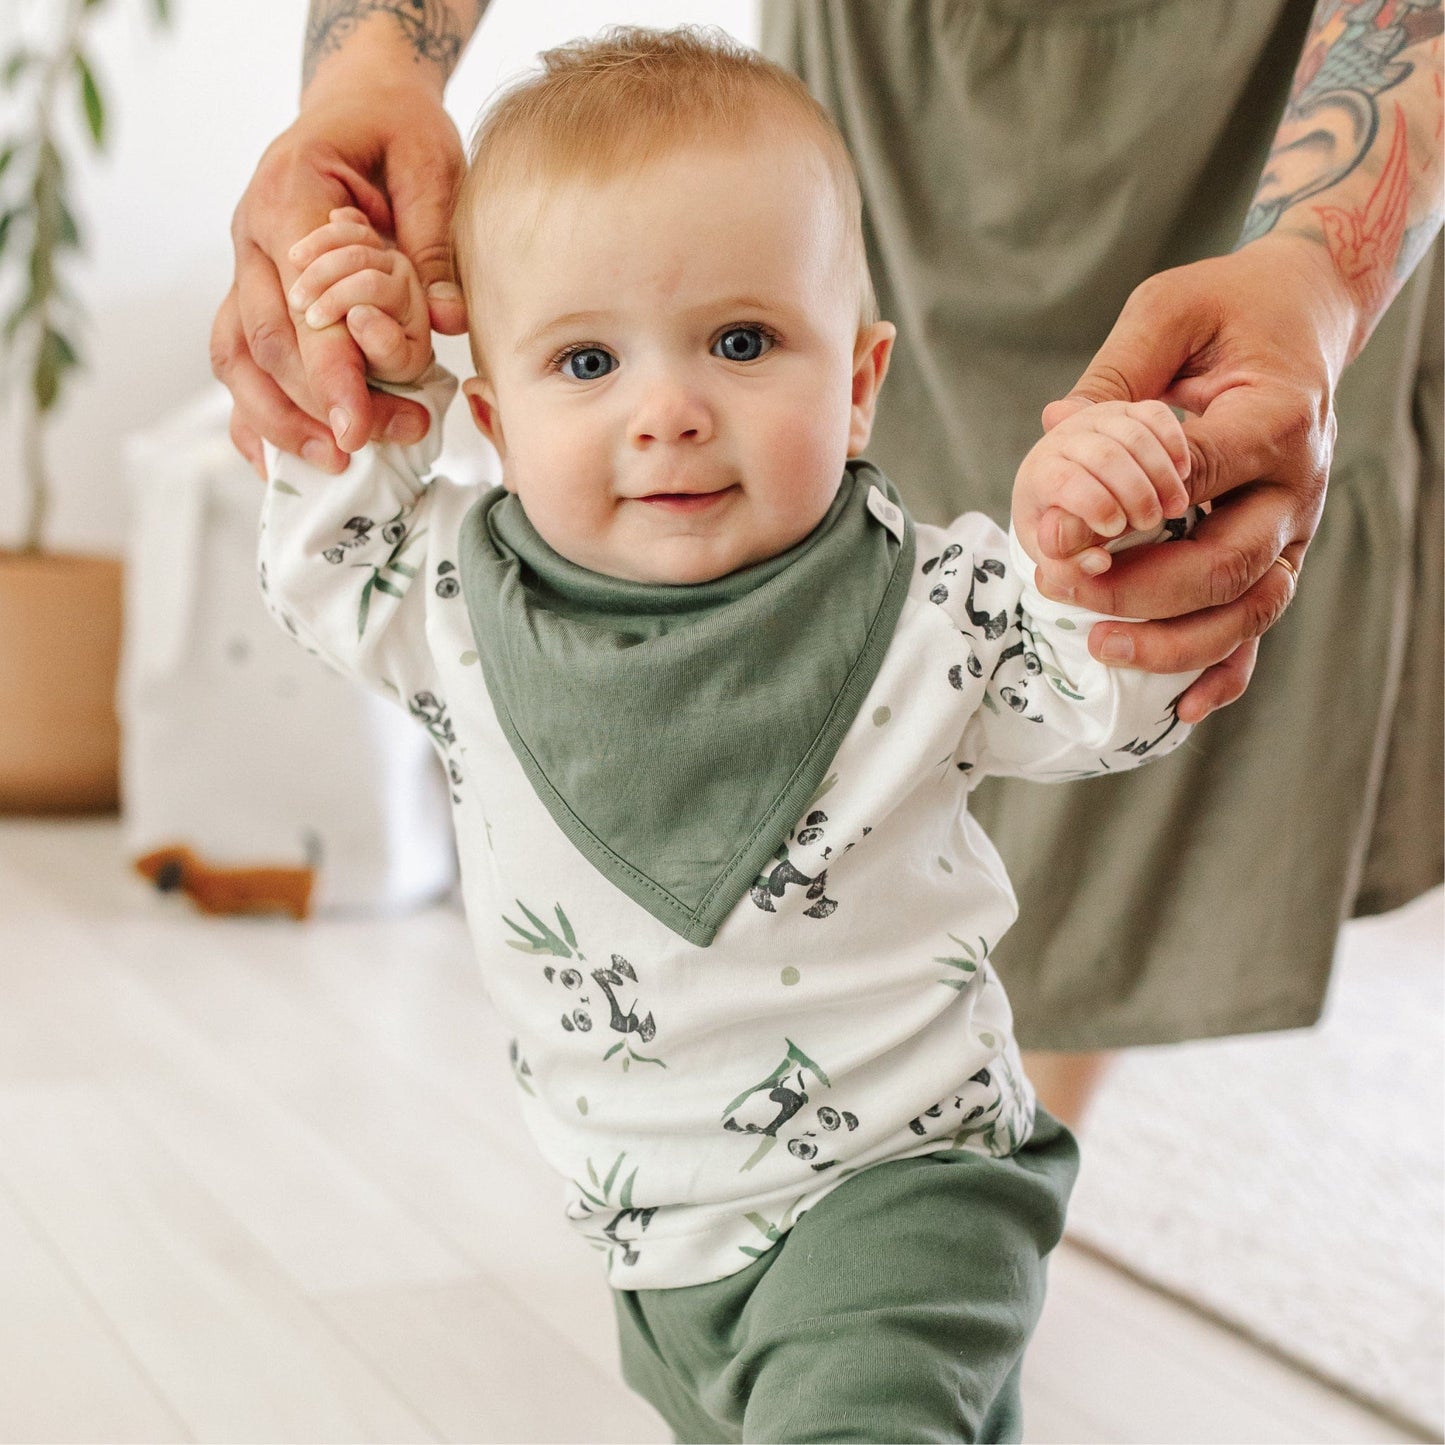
x=1025 y=163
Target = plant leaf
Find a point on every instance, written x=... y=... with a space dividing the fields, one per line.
x=66 y=353
x=16 y=64
x=69 y=231
x=48 y=367
x=90 y=94
x=18 y=316
x=163 y=11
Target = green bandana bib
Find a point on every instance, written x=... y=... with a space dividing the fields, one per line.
x=676 y=733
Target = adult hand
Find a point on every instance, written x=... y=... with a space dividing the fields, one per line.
x=391 y=150
x=1252 y=344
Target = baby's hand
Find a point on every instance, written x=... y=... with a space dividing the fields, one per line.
x=1116 y=465
x=348 y=273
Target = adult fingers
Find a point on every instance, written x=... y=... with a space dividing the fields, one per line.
x=1279 y=431
x=395 y=419
x=422 y=173
x=1160 y=327
x=1227 y=553
x=322 y=372
x=1061 y=534
x=260 y=407
x=1202 y=638
x=1220 y=685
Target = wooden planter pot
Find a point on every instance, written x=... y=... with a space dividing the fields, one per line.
x=60 y=620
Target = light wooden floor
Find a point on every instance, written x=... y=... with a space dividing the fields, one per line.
x=266 y=1182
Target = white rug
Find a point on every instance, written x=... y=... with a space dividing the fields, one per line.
x=1294 y=1184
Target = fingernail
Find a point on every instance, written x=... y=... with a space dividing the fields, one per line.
x=1093 y=564
x=1117 y=647
x=1062 y=594
x=405 y=430
x=444 y=291
x=340 y=420
x=313 y=318
x=296 y=297
x=317 y=453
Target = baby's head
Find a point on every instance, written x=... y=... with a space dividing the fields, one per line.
x=676 y=341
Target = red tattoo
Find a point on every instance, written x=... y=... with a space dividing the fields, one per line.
x=1364 y=243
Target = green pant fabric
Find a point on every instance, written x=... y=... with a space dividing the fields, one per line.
x=896 y=1309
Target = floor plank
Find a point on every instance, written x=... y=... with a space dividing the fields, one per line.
x=269 y=1182
x=80 y=1381
x=228 y=1340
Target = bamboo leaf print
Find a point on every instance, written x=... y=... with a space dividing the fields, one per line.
x=382 y=585
x=592 y=1175
x=364 y=608
x=627 y=1189
x=285 y=487
x=799 y=1057
x=765 y=1145
x=612 y=1176
x=555 y=943
x=566 y=927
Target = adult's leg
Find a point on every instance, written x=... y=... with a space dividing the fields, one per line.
x=1066 y=1083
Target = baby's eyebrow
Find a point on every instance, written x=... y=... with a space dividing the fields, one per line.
x=567 y=322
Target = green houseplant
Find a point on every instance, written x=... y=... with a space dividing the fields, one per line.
x=59 y=738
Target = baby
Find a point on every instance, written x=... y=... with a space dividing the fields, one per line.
x=712 y=704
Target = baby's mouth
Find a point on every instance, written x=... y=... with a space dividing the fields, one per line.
x=687 y=501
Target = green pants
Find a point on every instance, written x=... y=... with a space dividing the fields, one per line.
x=896 y=1309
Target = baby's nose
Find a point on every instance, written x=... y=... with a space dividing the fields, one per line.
x=671 y=413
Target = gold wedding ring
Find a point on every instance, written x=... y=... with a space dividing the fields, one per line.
x=1291 y=569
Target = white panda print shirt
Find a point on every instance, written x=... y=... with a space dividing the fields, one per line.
x=699 y=1098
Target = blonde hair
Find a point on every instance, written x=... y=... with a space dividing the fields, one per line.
x=602 y=106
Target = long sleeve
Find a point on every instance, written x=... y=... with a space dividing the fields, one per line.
x=1042 y=707
x=347 y=562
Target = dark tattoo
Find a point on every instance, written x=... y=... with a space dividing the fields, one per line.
x=429 y=26
x=1353 y=56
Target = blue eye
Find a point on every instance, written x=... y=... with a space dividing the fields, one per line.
x=742 y=343
x=588 y=363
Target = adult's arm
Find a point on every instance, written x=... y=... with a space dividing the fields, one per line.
x=1253 y=345
x=371 y=132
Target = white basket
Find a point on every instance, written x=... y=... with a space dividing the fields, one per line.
x=256 y=774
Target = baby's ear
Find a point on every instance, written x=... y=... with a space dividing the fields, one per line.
x=482 y=399
x=870 y=365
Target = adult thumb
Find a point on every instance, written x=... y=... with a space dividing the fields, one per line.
x=1061 y=410
x=1143 y=354
x=422 y=188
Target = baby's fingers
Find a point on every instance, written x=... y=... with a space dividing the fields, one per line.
x=391 y=353
x=332 y=267
x=391 y=294
x=1152 y=435
x=347 y=227
x=1109 y=462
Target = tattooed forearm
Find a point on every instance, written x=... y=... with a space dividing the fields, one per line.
x=436 y=30
x=1362 y=134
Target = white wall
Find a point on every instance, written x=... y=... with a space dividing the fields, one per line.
x=191 y=109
